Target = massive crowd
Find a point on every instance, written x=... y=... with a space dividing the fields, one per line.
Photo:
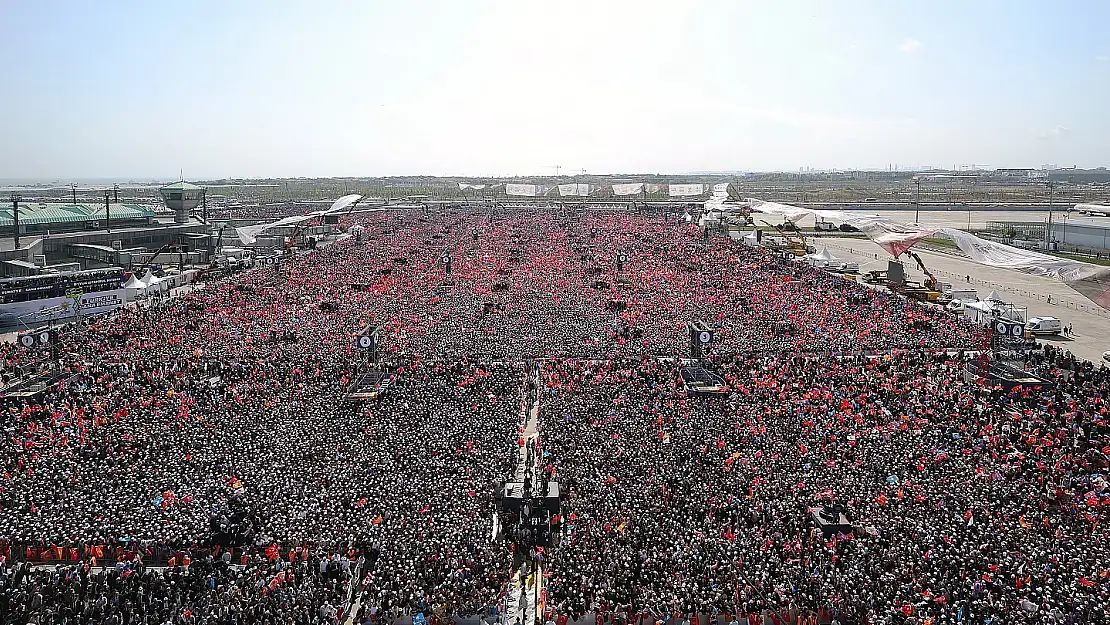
x=966 y=502
x=214 y=428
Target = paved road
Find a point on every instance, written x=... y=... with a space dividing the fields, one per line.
x=1090 y=322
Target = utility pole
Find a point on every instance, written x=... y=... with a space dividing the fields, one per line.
x=74 y=187
x=107 y=210
x=917 y=201
x=16 y=198
x=1051 y=200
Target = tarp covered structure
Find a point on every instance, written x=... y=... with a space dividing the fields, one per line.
x=1092 y=281
x=248 y=234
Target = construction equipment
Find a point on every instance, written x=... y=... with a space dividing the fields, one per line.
x=219 y=240
x=930 y=280
x=798 y=246
x=894 y=278
x=172 y=246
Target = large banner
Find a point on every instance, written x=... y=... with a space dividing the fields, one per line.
x=580 y=189
x=55 y=308
x=720 y=188
x=655 y=188
x=631 y=188
x=683 y=190
x=525 y=190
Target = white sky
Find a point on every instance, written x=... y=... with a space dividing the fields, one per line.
x=326 y=88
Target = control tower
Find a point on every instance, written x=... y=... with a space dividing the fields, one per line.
x=182 y=197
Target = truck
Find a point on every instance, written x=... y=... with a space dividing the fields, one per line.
x=1039 y=326
x=964 y=295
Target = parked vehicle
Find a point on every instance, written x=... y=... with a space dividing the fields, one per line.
x=1043 y=326
x=964 y=295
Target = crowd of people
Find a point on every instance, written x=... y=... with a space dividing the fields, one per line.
x=212 y=434
x=965 y=502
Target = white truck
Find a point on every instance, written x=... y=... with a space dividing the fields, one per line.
x=964 y=295
x=1043 y=325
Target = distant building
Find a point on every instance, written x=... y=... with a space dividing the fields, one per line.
x=1015 y=173
x=38 y=218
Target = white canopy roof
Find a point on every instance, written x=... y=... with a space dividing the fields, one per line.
x=823 y=255
x=148 y=278
x=134 y=283
x=993 y=296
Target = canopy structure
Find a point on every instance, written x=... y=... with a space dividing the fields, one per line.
x=248 y=234
x=134 y=283
x=1092 y=281
x=824 y=255
x=993 y=296
x=148 y=278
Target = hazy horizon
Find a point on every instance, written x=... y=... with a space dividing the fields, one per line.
x=139 y=91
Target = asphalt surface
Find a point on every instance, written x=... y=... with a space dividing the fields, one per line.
x=1090 y=323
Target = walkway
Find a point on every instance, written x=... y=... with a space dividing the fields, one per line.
x=525 y=587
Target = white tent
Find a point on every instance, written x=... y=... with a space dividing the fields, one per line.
x=993 y=296
x=148 y=279
x=824 y=254
x=133 y=283
x=821 y=259
x=134 y=287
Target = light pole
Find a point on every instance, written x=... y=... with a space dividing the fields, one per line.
x=917 y=201
x=74 y=187
x=1051 y=198
x=16 y=199
x=108 y=210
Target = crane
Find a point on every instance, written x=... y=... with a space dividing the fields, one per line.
x=799 y=247
x=930 y=280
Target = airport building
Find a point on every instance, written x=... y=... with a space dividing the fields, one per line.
x=57 y=236
x=1067 y=234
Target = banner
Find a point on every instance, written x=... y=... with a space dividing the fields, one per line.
x=580 y=190
x=655 y=188
x=631 y=188
x=55 y=308
x=683 y=190
x=525 y=190
x=463 y=186
x=720 y=188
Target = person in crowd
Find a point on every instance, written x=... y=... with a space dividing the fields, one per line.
x=201 y=459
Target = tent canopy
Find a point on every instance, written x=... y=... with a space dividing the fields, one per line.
x=148 y=278
x=993 y=296
x=824 y=254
